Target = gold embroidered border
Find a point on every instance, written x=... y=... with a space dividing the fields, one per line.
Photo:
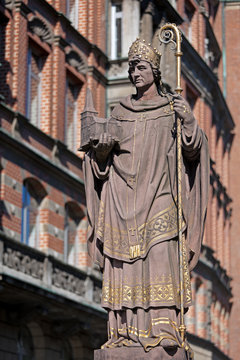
x=131 y=330
x=162 y=226
x=160 y=290
x=186 y=274
x=138 y=294
x=145 y=333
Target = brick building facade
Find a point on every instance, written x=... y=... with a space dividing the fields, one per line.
x=230 y=11
x=50 y=52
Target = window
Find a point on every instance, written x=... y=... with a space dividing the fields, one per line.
x=212 y=53
x=32 y=195
x=189 y=12
x=72 y=11
x=73 y=216
x=116 y=30
x=66 y=351
x=71 y=115
x=25 y=350
x=33 y=103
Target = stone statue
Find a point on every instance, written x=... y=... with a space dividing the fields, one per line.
x=131 y=200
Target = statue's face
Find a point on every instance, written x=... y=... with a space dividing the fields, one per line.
x=141 y=74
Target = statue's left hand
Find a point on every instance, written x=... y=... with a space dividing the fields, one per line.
x=182 y=108
x=103 y=147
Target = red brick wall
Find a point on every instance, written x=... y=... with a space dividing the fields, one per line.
x=232 y=27
x=13 y=77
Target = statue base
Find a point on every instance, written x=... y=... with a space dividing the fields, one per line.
x=138 y=353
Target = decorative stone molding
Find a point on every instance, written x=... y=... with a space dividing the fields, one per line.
x=202 y=8
x=118 y=69
x=40 y=28
x=17 y=5
x=97 y=294
x=23 y=263
x=44 y=271
x=68 y=282
x=9 y=4
x=76 y=61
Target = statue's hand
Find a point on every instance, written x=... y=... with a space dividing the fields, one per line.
x=182 y=108
x=103 y=147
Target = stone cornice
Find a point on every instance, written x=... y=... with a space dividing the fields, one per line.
x=92 y=70
x=51 y=277
x=18 y=5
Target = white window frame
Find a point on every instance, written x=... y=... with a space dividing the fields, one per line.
x=31 y=75
x=66 y=254
x=114 y=16
x=72 y=147
x=27 y=238
x=72 y=15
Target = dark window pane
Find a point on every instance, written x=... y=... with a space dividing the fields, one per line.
x=119 y=37
x=72 y=92
x=118 y=7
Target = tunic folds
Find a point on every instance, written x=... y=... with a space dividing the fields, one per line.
x=132 y=215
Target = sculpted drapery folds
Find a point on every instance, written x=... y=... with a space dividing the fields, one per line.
x=131 y=199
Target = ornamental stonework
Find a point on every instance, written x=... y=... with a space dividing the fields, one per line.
x=23 y=263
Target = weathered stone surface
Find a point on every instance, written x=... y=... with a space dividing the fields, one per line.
x=138 y=353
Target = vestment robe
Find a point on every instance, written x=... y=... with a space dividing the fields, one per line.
x=132 y=216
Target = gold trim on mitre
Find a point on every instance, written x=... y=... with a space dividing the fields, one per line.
x=140 y=50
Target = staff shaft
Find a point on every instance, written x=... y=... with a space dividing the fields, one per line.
x=181 y=245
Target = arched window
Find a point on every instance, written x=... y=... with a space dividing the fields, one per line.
x=66 y=351
x=32 y=196
x=25 y=350
x=116 y=29
x=34 y=85
x=73 y=216
x=71 y=115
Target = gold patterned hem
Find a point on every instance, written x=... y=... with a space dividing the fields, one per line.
x=160 y=227
x=118 y=337
x=158 y=293
x=145 y=333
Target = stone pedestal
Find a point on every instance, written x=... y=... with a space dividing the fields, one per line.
x=138 y=353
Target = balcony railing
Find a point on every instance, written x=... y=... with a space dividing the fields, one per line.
x=23 y=263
